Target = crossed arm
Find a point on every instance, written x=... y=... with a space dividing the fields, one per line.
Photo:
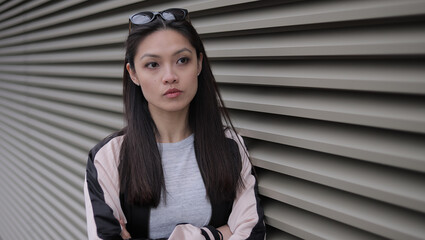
x=106 y=220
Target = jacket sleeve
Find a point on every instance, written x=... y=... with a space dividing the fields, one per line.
x=101 y=192
x=246 y=221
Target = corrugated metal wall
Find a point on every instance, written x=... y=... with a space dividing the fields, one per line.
x=329 y=95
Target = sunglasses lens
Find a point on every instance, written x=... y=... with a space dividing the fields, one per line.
x=142 y=18
x=173 y=15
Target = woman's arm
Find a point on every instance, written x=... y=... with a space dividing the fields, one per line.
x=246 y=221
x=225 y=231
x=101 y=191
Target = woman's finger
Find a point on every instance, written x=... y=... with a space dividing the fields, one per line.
x=124 y=233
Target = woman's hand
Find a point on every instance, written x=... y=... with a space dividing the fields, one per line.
x=124 y=233
x=225 y=230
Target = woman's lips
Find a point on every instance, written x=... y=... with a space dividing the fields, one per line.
x=172 y=93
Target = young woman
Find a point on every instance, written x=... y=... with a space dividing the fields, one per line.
x=174 y=172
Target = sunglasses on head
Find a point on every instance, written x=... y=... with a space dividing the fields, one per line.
x=172 y=14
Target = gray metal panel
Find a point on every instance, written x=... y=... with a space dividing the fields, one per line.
x=406 y=114
x=388 y=76
x=329 y=96
x=386 y=184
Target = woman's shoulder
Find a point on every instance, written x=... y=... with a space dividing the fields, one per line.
x=233 y=135
x=237 y=141
x=108 y=148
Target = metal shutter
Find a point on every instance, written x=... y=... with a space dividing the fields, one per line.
x=329 y=96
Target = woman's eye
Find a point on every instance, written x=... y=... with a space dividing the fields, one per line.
x=183 y=60
x=152 y=65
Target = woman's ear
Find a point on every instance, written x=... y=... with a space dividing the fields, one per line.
x=201 y=56
x=132 y=74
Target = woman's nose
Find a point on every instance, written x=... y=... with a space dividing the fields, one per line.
x=169 y=76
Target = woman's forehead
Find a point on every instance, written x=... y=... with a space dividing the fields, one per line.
x=164 y=42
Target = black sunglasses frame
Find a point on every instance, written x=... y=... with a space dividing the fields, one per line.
x=171 y=11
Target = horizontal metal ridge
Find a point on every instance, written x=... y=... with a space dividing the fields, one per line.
x=301 y=14
x=375 y=145
x=369 y=215
x=398 y=112
x=94 y=116
x=383 y=183
x=307 y=225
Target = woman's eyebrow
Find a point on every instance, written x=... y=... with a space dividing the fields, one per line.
x=149 y=55
x=182 y=50
x=157 y=56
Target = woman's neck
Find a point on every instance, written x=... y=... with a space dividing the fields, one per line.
x=171 y=126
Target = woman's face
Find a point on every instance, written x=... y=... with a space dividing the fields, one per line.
x=166 y=67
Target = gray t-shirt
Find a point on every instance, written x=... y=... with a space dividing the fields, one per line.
x=186 y=199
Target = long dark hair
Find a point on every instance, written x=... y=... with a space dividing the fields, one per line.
x=140 y=168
